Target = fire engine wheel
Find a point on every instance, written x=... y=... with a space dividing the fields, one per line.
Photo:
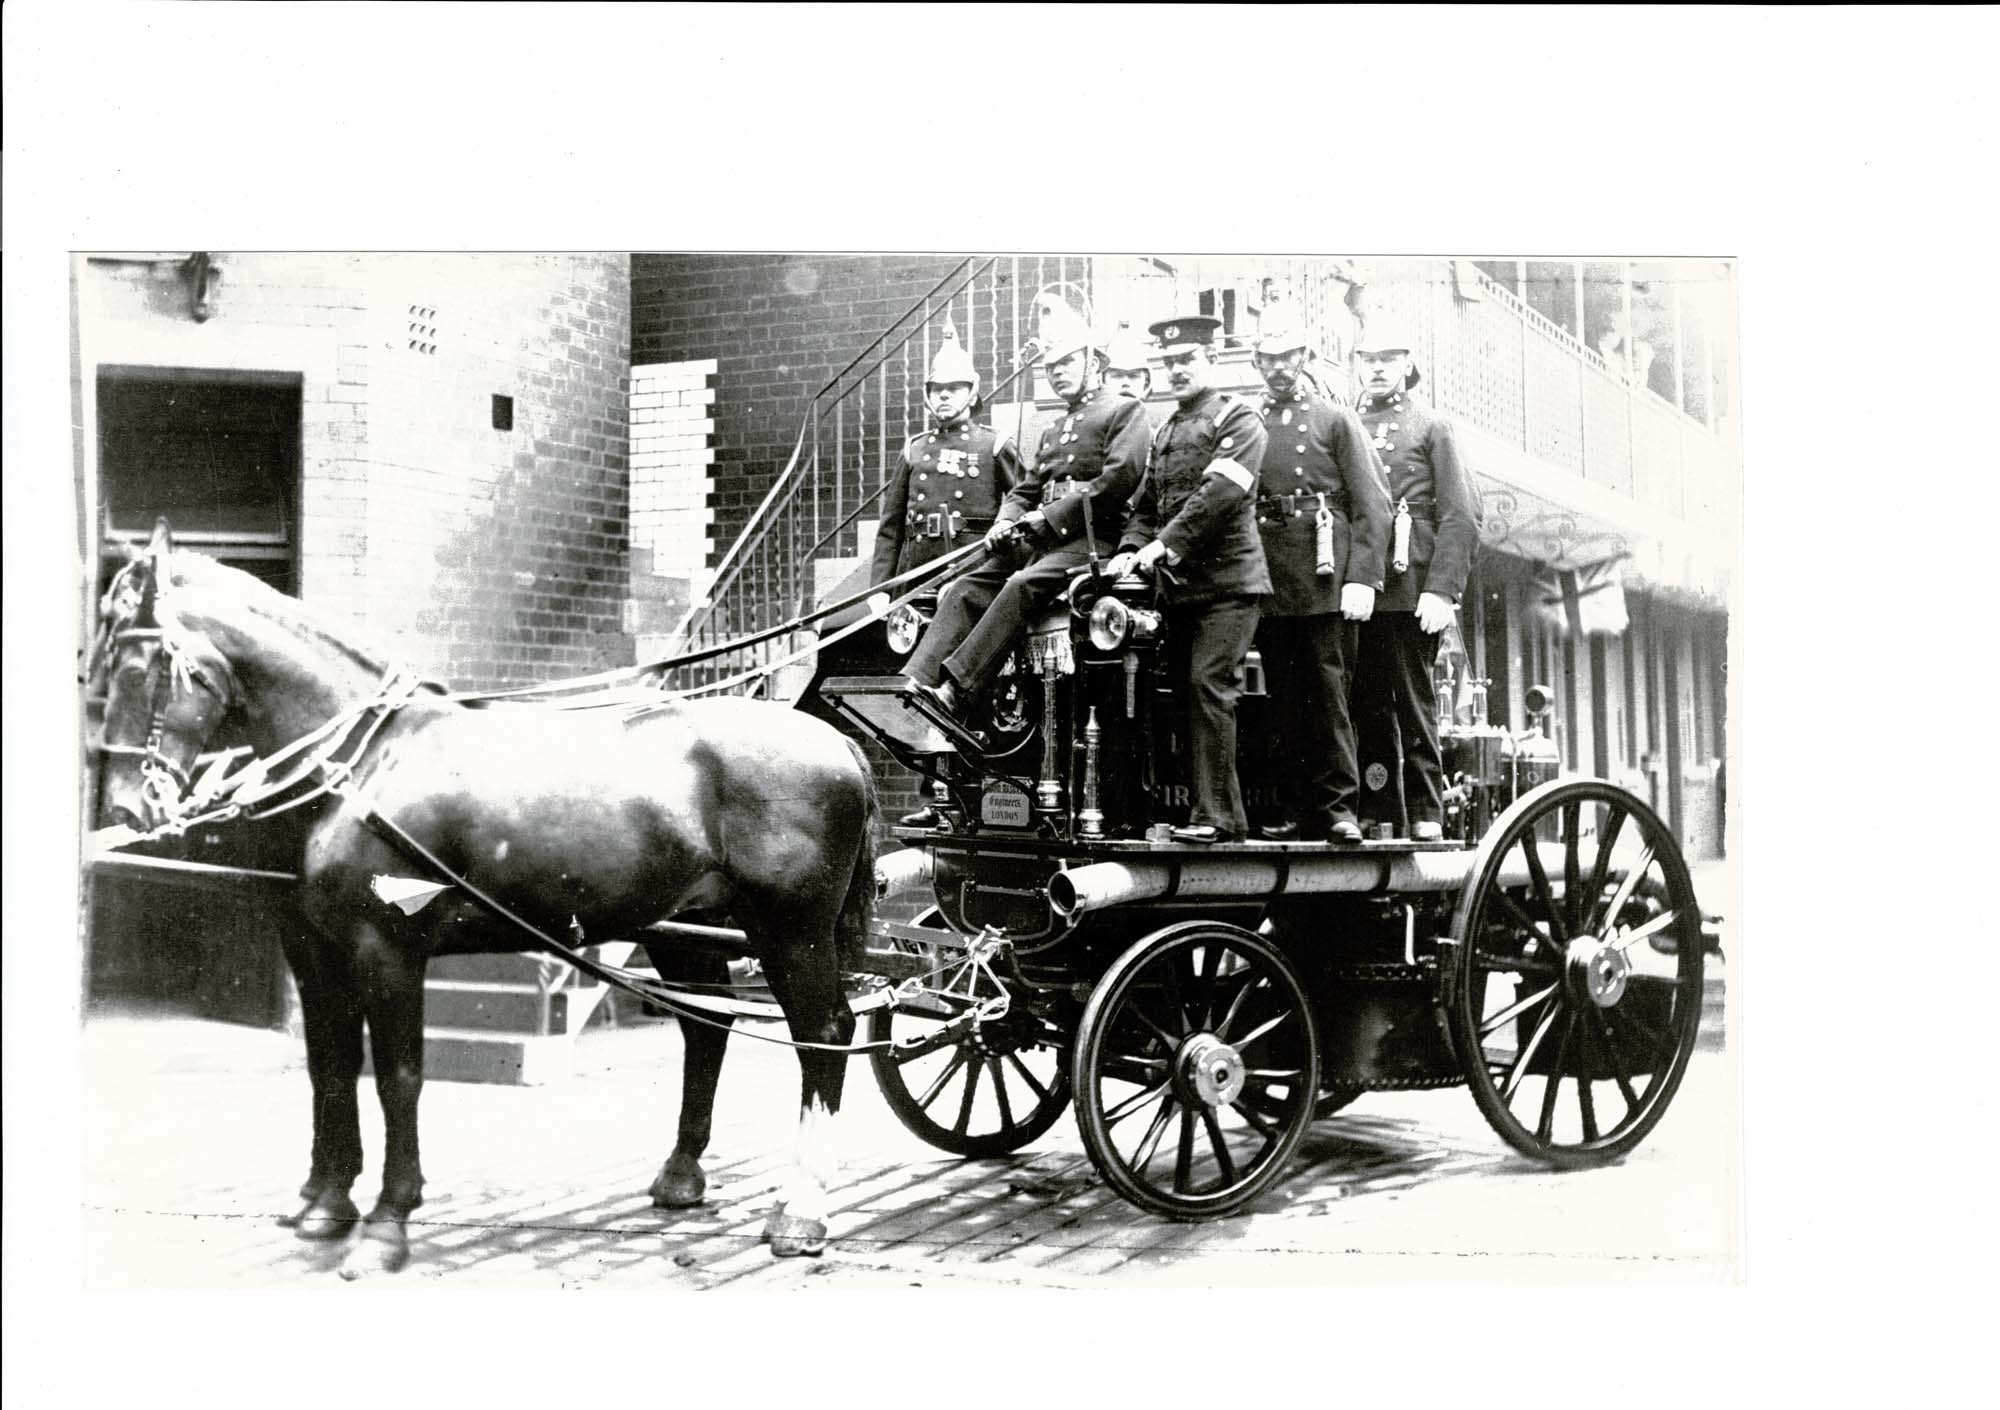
x=998 y=1088
x=1196 y=1069
x=1576 y=973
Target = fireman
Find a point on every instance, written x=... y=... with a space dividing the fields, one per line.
x=1323 y=511
x=1195 y=520
x=1087 y=464
x=948 y=483
x=1128 y=371
x=1433 y=534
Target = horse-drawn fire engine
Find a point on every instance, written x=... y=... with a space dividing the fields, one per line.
x=1201 y=1006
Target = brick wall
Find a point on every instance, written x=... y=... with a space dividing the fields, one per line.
x=672 y=427
x=496 y=555
x=488 y=557
x=777 y=326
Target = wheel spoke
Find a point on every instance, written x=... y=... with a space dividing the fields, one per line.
x=1488 y=1026
x=1132 y=1103
x=1661 y=1045
x=1169 y=1039
x=1142 y=1154
x=1236 y=1008
x=1275 y=1074
x=1614 y=1052
x=1527 y=1054
x=1531 y=845
x=1626 y=887
x=931 y=1094
x=1547 y=1123
x=1584 y=1103
x=1000 y=1094
x=1614 y=823
x=1211 y=965
x=1261 y=1030
x=1521 y=917
x=1041 y=1092
x=1249 y=1114
x=1652 y=927
x=1572 y=827
x=971 y=1090
x=1184 y=1156
x=1220 y=1146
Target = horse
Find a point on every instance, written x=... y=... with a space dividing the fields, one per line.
x=587 y=822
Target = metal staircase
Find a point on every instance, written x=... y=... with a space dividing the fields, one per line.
x=816 y=524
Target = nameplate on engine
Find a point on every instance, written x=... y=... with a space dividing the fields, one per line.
x=1005 y=807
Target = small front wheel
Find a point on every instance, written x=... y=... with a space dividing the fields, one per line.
x=1196 y=1069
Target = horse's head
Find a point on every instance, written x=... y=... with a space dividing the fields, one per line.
x=166 y=687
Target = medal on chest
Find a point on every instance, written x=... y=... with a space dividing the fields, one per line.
x=953 y=462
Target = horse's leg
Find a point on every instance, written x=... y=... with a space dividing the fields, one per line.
x=806 y=979
x=329 y=1006
x=391 y=969
x=681 y=1183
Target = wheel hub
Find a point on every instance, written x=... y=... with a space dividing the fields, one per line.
x=1597 y=972
x=1209 y=1070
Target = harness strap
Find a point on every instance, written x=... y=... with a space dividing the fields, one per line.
x=415 y=851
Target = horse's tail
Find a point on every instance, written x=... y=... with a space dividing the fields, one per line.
x=850 y=927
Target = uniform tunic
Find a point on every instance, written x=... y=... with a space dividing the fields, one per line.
x=1395 y=699
x=1095 y=452
x=944 y=494
x=1316 y=449
x=1201 y=495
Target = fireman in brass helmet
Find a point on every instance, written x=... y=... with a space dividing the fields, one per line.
x=947 y=486
x=1128 y=370
x=1194 y=521
x=1323 y=511
x=1089 y=459
x=1433 y=535
x=948 y=483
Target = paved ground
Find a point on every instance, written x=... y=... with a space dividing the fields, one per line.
x=196 y=1135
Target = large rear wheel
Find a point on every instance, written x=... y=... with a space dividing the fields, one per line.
x=1576 y=978
x=1196 y=1069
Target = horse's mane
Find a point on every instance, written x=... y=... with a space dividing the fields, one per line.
x=200 y=572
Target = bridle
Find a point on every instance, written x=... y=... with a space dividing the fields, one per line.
x=164 y=780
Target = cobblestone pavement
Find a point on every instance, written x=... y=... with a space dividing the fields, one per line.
x=196 y=1135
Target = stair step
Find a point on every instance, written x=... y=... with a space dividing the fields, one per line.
x=485 y=969
x=508 y=1008
x=466 y=1055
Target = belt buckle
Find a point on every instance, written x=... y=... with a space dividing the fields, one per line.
x=933 y=525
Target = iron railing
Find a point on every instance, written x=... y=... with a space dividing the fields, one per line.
x=807 y=526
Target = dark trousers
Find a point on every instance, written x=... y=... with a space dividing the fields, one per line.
x=1395 y=712
x=1307 y=672
x=982 y=615
x=1209 y=642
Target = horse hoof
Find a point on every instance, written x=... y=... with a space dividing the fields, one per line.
x=796 y=1238
x=678 y=1186
x=382 y=1248
x=322 y=1218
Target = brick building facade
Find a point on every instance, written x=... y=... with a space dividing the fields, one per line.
x=443 y=448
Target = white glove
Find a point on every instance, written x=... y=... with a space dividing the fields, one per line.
x=1120 y=564
x=1434 y=613
x=1152 y=553
x=878 y=604
x=999 y=535
x=1357 y=602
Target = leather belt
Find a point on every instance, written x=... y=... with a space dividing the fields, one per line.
x=1299 y=502
x=944 y=523
x=1059 y=489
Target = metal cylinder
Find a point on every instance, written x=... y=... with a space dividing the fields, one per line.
x=906 y=870
x=1104 y=884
